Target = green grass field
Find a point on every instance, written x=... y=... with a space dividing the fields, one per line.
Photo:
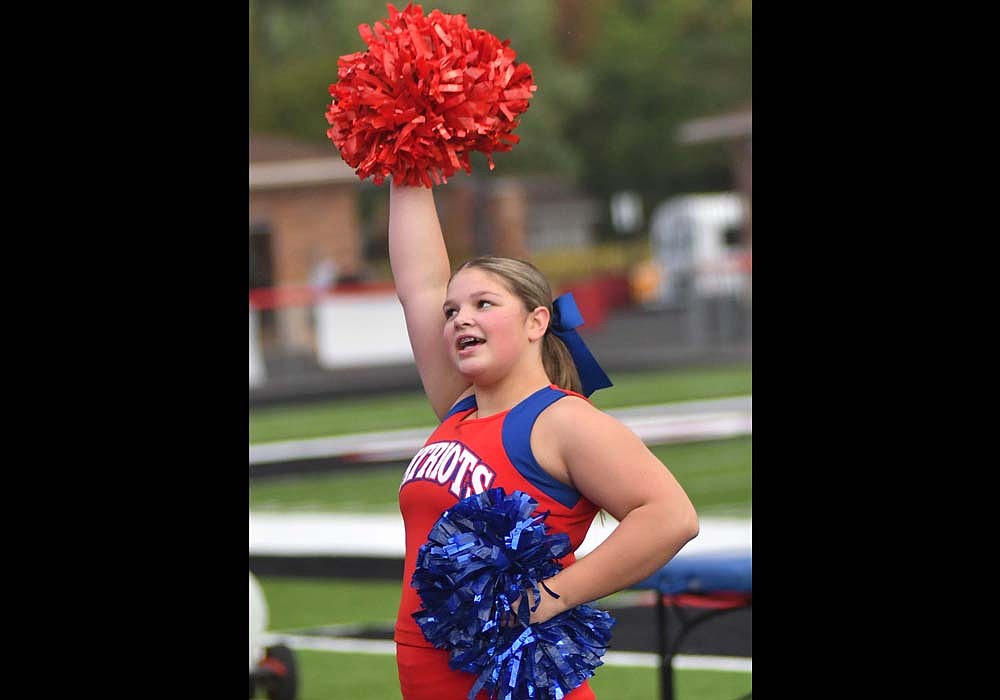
x=716 y=475
x=300 y=604
x=411 y=410
x=325 y=675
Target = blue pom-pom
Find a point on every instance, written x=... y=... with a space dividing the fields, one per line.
x=550 y=659
x=483 y=555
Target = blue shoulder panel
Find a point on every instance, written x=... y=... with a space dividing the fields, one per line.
x=463 y=405
x=516 y=436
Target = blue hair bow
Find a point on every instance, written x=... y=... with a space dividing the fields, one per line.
x=566 y=317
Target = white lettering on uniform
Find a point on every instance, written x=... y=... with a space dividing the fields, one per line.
x=447 y=464
x=441 y=462
x=482 y=477
x=408 y=474
x=469 y=460
x=432 y=458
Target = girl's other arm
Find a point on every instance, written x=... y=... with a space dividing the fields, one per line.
x=610 y=466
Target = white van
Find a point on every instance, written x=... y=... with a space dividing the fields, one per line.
x=697 y=247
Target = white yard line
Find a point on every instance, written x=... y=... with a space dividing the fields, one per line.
x=692 y=661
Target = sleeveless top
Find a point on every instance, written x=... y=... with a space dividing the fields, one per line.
x=465 y=456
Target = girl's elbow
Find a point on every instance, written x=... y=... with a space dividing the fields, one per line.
x=693 y=526
x=680 y=523
x=689 y=525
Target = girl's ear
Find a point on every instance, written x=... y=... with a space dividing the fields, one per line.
x=538 y=323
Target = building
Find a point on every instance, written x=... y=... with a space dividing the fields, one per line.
x=304 y=230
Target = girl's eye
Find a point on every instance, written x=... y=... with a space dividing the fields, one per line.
x=483 y=301
x=448 y=313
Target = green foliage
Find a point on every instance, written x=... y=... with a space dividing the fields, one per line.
x=655 y=66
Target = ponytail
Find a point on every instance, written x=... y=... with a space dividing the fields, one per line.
x=559 y=363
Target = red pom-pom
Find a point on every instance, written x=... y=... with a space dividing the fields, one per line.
x=427 y=92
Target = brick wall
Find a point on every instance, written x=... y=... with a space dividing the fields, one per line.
x=307 y=224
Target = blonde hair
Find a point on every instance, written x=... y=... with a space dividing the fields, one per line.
x=527 y=282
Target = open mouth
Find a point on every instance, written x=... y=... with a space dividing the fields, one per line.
x=465 y=342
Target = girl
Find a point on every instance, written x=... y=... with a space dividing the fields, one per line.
x=487 y=343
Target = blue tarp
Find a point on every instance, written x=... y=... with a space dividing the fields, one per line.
x=703 y=573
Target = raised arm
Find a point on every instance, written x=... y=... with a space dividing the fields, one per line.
x=420 y=270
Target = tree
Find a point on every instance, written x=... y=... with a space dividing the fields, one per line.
x=654 y=66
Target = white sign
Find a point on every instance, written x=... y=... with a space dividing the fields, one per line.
x=355 y=330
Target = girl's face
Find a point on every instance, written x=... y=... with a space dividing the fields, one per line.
x=485 y=325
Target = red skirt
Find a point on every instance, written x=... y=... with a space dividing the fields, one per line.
x=424 y=674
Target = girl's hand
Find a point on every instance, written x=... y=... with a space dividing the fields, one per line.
x=548 y=608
